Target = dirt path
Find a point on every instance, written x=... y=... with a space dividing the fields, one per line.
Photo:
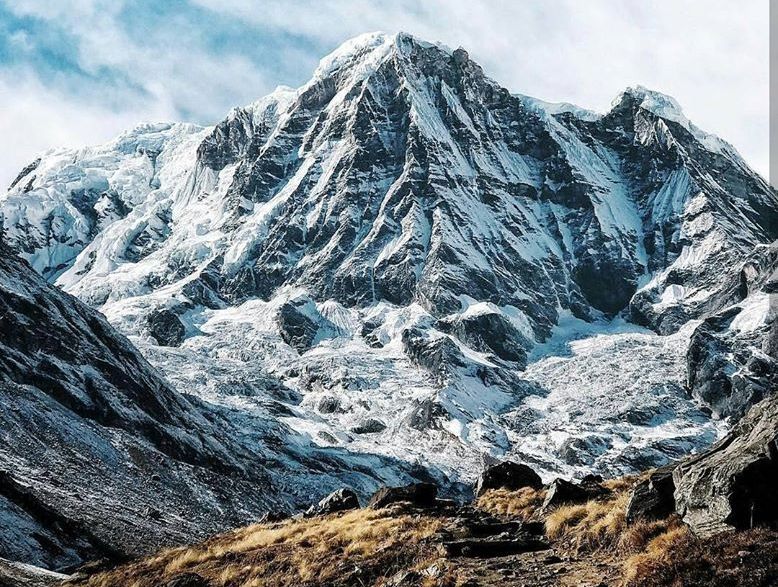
x=537 y=569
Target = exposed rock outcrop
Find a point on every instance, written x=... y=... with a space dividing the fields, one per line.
x=726 y=369
x=369 y=426
x=507 y=475
x=561 y=492
x=166 y=328
x=733 y=485
x=652 y=498
x=338 y=501
x=417 y=494
x=490 y=332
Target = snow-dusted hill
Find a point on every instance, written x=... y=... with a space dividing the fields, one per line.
x=442 y=272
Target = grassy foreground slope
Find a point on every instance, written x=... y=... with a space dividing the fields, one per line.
x=504 y=538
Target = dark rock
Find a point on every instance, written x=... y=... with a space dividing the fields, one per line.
x=327 y=437
x=296 y=328
x=583 y=450
x=535 y=528
x=490 y=332
x=436 y=355
x=299 y=323
x=562 y=492
x=460 y=56
x=507 y=475
x=770 y=344
x=166 y=328
x=478 y=525
x=426 y=415
x=419 y=494
x=591 y=273
x=488 y=548
x=369 y=332
x=707 y=364
x=26 y=170
x=337 y=501
x=733 y=485
x=271 y=517
x=328 y=405
x=188 y=580
x=652 y=498
x=369 y=426
x=726 y=370
x=405 y=578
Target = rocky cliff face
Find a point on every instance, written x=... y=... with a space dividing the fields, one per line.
x=401 y=257
x=733 y=484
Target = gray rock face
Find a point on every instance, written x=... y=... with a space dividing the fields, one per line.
x=27 y=170
x=369 y=426
x=299 y=324
x=562 y=492
x=733 y=484
x=652 y=498
x=490 y=332
x=418 y=494
x=728 y=370
x=188 y=580
x=427 y=415
x=507 y=475
x=338 y=501
x=328 y=405
x=166 y=328
x=13 y=574
x=71 y=385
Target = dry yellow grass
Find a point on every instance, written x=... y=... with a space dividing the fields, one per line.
x=600 y=523
x=589 y=526
x=657 y=555
x=523 y=504
x=625 y=483
x=639 y=535
x=301 y=552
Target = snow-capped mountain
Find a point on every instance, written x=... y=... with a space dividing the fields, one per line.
x=431 y=268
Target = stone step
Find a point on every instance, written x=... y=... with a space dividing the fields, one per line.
x=485 y=548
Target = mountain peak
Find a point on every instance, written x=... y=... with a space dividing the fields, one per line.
x=371 y=48
x=666 y=107
x=354 y=50
x=662 y=105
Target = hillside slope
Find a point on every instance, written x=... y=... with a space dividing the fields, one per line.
x=101 y=457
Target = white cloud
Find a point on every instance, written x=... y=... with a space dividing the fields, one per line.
x=712 y=55
x=35 y=119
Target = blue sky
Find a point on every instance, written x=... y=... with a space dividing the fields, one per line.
x=77 y=72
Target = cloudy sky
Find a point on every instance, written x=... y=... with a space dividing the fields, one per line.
x=77 y=72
